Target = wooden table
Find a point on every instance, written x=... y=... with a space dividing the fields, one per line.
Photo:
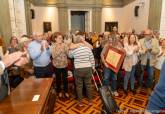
x=20 y=99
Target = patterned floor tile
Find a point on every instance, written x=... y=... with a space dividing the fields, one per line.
x=130 y=104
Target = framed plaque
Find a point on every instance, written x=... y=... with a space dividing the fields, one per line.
x=114 y=58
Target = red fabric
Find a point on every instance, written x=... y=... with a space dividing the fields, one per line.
x=70 y=79
x=162 y=111
x=123 y=72
x=70 y=64
x=96 y=78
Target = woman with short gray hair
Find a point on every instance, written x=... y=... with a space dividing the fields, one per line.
x=83 y=62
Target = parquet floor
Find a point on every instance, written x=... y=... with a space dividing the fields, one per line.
x=130 y=104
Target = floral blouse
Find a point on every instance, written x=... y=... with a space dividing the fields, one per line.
x=59 y=55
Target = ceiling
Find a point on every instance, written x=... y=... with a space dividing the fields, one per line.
x=118 y=3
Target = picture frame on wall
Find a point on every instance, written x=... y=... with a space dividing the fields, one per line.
x=47 y=26
x=114 y=58
x=109 y=26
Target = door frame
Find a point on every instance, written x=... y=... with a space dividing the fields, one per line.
x=89 y=13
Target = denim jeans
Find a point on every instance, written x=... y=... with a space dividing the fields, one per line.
x=130 y=75
x=108 y=73
x=150 y=73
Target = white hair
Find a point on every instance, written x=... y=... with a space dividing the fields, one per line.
x=77 y=39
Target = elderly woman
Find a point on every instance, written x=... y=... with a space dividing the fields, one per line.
x=25 y=64
x=22 y=65
x=83 y=62
x=59 y=51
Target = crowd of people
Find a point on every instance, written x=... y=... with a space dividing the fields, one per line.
x=47 y=54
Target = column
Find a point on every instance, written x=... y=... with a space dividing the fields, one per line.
x=63 y=19
x=155 y=14
x=96 y=20
x=5 y=24
x=28 y=17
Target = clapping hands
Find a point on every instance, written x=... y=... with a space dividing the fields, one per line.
x=10 y=59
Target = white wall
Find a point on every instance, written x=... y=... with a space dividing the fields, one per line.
x=162 y=23
x=45 y=14
x=125 y=16
x=138 y=23
x=111 y=14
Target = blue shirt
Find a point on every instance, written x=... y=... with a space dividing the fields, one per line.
x=40 y=59
x=160 y=87
x=157 y=99
x=148 y=44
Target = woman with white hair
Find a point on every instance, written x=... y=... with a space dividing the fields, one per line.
x=25 y=63
x=83 y=62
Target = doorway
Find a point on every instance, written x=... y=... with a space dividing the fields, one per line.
x=78 y=20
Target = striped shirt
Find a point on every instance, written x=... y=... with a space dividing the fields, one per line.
x=83 y=57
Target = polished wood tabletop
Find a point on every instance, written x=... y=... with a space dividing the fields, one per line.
x=20 y=99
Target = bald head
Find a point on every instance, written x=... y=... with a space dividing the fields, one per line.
x=148 y=34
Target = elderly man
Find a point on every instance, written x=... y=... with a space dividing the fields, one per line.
x=149 y=48
x=83 y=62
x=40 y=53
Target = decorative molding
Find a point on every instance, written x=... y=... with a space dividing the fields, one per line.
x=82 y=3
x=126 y=2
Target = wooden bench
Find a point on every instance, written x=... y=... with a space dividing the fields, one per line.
x=20 y=99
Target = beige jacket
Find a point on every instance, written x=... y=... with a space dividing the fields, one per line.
x=154 y=52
